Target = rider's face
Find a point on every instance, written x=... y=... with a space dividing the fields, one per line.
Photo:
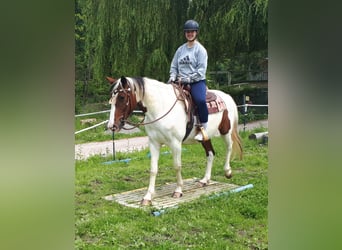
x=190 y=35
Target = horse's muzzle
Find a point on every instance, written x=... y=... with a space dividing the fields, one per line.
x=117 y=127
x=114 y=128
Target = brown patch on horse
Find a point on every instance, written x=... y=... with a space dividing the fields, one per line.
x=141 y=107
x=110 y=80
x=224 y=126
x=208 y=147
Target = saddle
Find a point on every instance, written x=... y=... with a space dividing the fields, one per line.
x=214 y=102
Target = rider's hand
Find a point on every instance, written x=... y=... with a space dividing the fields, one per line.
x=185 y=80
x=171 y=80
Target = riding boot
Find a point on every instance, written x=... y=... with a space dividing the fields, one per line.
x=202 y=135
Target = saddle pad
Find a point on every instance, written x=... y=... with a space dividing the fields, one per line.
x=214 y=103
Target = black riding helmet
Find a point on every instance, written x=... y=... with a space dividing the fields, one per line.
x=191 y=25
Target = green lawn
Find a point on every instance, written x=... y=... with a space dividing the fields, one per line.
x=236 y=221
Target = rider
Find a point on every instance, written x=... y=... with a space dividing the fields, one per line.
x=189 y=66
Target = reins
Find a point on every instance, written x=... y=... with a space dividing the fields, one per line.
x=178 y=87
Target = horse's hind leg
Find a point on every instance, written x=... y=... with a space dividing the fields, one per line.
x=227 y=169
x=210 y=159
x=225 y=130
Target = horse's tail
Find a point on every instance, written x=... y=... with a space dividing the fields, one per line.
x=237 y=144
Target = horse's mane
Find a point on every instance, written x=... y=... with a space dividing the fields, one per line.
x=140 y=83
x=135 y=83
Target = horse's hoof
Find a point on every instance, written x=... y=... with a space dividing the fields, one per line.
x=145 y=202
x=202 y=184
x=228 y=175
x=177 y=195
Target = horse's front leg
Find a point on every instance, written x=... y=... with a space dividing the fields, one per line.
x=154 y=150
x=177 y=164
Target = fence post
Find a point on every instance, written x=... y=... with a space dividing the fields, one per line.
x=113 y=145
x=244 y=112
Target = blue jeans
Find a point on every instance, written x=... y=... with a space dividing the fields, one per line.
x=198 y=93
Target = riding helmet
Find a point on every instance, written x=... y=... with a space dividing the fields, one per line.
x=191 y=25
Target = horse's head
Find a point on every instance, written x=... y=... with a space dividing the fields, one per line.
x=123 y=101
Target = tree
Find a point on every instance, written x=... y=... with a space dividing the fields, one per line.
x=126 y=36
x=229 y=28
x=139 y=38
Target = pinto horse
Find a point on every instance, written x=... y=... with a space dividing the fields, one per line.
x=166 y=122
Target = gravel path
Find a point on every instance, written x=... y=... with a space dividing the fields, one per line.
x=85 y=150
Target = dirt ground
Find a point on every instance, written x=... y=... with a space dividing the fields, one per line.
x=83 y=151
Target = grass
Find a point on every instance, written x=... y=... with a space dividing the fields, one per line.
x=237 y=221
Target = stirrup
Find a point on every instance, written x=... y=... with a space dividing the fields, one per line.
x=202 y=135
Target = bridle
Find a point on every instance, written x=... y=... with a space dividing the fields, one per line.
x=132 y=103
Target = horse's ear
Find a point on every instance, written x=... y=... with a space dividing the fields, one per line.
x=110 y=80
x=123 y=81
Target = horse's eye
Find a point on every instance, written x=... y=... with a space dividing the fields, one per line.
x=121 y=98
